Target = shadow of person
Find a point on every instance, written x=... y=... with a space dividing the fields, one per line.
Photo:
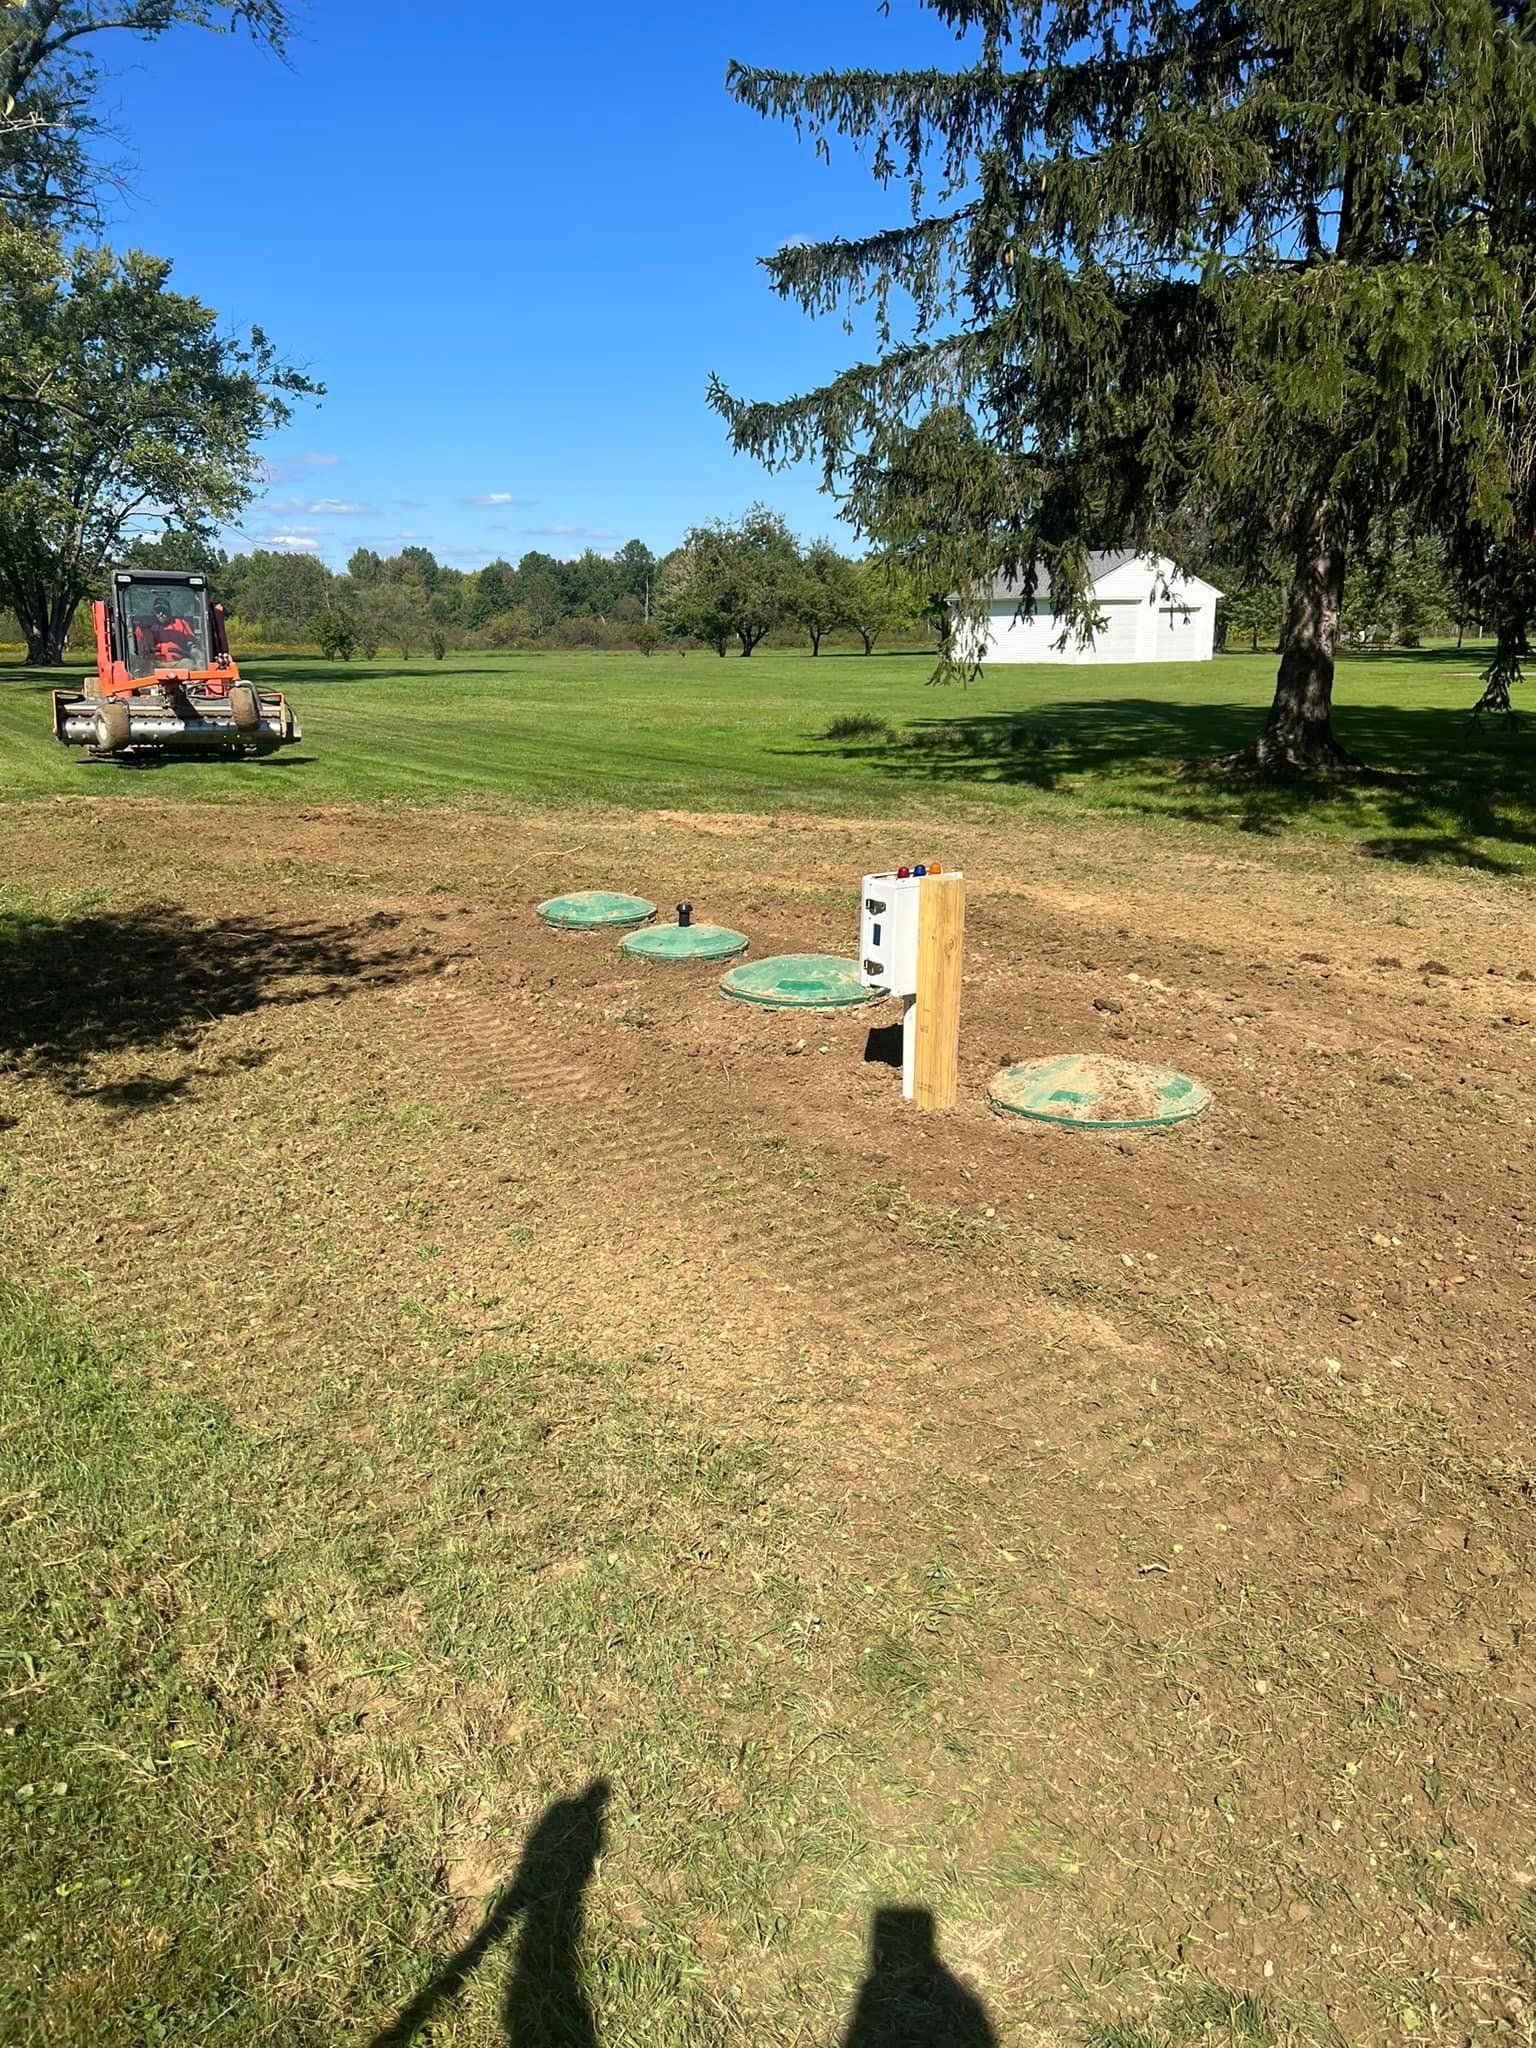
x=545 y=2005
x=908 y=1999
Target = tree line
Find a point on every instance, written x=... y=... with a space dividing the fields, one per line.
x=728 y=586
x=1398 y=592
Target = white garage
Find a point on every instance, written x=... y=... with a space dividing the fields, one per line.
x=1151 y=611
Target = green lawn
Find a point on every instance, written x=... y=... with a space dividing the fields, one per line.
x=218 y=1780
x=699 y=733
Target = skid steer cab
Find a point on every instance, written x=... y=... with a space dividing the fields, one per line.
x=165 y=680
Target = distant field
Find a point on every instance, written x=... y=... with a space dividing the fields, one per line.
x=694 y=732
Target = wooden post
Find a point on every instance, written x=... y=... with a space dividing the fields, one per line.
x=940 y=942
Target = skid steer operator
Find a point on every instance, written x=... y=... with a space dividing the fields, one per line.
x=163 y=638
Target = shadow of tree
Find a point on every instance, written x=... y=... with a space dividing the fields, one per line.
x=155 y=977
x=1444 y=783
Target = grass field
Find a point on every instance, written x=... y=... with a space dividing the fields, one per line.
x=543 y=1507
x=492 y=730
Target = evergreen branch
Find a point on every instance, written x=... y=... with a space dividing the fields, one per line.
x=920 y=258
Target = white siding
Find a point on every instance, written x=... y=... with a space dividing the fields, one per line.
x=1183 y=632
x=1033 y=637
x=1026 y=638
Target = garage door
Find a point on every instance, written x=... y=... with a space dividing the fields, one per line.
x=1116 y=638
x=1180 y=633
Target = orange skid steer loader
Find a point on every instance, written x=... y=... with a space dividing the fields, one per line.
x=164 y=678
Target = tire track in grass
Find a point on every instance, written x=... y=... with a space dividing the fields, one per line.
x=898 y=1336
x=1189 y=1544
x=909 y=1324
x=902 y=1336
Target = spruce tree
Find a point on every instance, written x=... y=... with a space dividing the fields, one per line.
x=1249 y=266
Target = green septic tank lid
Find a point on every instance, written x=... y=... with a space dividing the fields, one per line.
x=1095 y=1091
x=800 y=981
x=685 y=942
x=595 y=910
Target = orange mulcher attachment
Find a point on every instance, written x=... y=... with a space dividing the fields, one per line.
x=165 y=677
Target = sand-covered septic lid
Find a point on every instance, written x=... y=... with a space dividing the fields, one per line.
x=799 y=981
x=596 y=910
x=1096 y=1091
x=685 y=942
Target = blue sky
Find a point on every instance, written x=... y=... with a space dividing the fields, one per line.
x=513 y=242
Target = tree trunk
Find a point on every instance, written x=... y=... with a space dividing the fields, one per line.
x=42 y=650
x=45 y=626
x=868 y=639
x=815 y=639
x=1298 y=734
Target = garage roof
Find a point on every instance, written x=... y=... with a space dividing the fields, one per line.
x=1102 y=562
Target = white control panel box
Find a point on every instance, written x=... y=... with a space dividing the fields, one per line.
x=888 y=933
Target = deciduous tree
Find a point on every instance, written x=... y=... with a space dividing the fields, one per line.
x=117 y=395
x=335 y=634
x=1252 y=605
x=637 y=573
x=540 y=597
x=823 y=597
x=881 y=601
x=394 y=615
x=732 y=580
x=278 y=593
x=495 y=591
x=51 y=89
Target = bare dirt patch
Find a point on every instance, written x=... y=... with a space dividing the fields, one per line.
x=1208 y=1454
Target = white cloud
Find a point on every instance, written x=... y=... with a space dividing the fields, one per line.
x=335 y=508
x=570 y=533
x=486 y=498
x=290 y=543
x=292 y=467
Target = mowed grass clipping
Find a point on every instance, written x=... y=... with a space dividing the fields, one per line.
x=850 y=733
